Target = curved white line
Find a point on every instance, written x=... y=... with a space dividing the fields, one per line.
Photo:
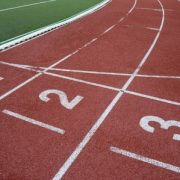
x=57 y=62
x=91 y=132
x=109 y=108
x=16 y=41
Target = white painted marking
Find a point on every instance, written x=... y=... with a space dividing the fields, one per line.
x=109 y=108
x=19 y=86
x=112 y=73
x=106 y=86
x=144 y=123
x=35 y=68
x=82 y=81
x=90 y=134
x=109 y=29
x=35 y=76
x=27 y=5
x=120 y=20
x=32 y=121
x=114 y=89
x=145 y=159
x=89 y=72
x=20 y=66
x=151 y=9
x=153 y=98
x=47 y=69
x=62 y=97
x=1 y=78
x=16 y=41
x=153 y=29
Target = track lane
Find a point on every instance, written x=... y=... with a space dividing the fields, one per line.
x=94 y=151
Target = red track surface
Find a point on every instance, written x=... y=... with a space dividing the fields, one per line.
x=106 y=118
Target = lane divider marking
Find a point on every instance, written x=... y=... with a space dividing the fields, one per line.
x=1 y=78
x=36 y=68
x=33 y=121
x=153 y=29
x=114 y=88
x=101 y=85
x=145 y=159
x=67 y=164
x=138 y=26
x=151 y=9
x=30 y=68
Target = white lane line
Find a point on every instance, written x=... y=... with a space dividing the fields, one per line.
x=36 y=76
x=114 y=89
x=153 y=98
x=1 y=78
x=153 y=29
x=112 y=73
x=102 y=85
x=36 y=68
x=137 y=26
x=145 y=159
x=90 y=134
x=151 y=9
x=19 y=86
x=109 y=29
x=53 y=65
x=82 y=81
x=109 y=108
x=19 y=66
x=27 y=5
x=33 y=121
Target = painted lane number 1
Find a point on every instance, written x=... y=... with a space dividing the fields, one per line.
x=62 y=98
x=144 y=123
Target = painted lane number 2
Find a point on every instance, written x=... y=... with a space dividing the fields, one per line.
x=62 y=98
x=144 y=123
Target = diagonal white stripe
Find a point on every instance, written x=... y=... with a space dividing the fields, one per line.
x=33 y=121
x=145 y=159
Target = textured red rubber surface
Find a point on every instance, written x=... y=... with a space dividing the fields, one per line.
x=117 y=70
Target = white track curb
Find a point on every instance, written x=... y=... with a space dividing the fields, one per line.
x=30 y=35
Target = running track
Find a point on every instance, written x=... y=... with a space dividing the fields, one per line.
x=101 y=97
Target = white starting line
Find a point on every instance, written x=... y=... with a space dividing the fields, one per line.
x=36 y=69
x=33 y=121
x=145 y=159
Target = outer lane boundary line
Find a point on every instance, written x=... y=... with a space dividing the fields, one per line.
x=26 y=5
x=33 y=121
x=145 y=159
x=109 y=108
x=16 y=41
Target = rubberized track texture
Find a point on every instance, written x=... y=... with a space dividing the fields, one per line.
x=96 y=99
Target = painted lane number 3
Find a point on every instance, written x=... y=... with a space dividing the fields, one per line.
x=144 y=123
x=62 y=98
